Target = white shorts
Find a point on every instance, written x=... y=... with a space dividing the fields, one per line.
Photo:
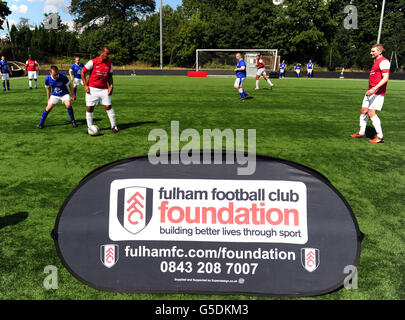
x=98 y=95
x=373 y=102
x=297 y=71
x=309 y=70
x=261 y=71
x=77 y=81
x=55 y=99
x=281 y=70
x=238 y=82
x=32 y=75
x=5 y=76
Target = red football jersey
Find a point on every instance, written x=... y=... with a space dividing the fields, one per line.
x=99 y=73
x=31 y=64
x=380 y=66
x=260 y=64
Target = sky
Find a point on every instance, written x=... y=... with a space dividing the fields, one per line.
x=34 y=10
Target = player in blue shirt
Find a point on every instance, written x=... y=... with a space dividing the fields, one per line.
x=75 y=72
x=283 y=65
x=297 y=69
x=5 y=73
x=58 y=82
x=240 y=76
x=310 y=67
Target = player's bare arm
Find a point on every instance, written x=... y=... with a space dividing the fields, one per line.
x=48 y=93
x=72 y=91
x=84 y=79
x=71 y=75
x=110 y=85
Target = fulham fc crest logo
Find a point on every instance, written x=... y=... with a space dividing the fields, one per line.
x=134 y=208
x=310 y=259
x=109 y=254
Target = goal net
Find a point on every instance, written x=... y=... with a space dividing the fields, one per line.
x=224 y=59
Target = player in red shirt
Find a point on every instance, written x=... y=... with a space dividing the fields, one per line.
x=261 y=72
x=99 y=87
x=374 y=98
x=31 y=66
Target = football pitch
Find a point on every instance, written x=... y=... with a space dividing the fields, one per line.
x=308 y=121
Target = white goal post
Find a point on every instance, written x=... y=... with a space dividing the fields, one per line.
x=274 y=51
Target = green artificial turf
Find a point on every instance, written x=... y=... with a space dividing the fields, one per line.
x=303 y=120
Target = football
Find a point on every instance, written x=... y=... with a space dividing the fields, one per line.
x=93 y=130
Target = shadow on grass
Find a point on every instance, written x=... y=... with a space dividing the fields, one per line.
x=81 y=122
x=13 y=219
x=124 y=126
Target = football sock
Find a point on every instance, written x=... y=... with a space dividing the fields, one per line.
x=44 y=115
x=241 y=94
x=111 y=116
x=377 y=125
x=74 y=90
x=257 y=84
x=244 y=92
x=89 y=119
x=269 y=82
x=4 y=85
x=363 y=123
x=8 y=84
x=71 y=113
x=36 y=83
x=30 y=82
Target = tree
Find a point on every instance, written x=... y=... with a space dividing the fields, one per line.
x=148 y=32
x=192 y=34
x=351 y=48
x=393 y=33
x=305 y=29
x=23 y=23
x=93 y=13
x=4 y=12
x=120 y=36
x=300 y=29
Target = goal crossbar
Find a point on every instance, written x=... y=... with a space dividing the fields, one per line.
x=197 y=51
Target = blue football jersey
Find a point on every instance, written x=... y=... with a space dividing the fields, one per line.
x=241 y=74
x=297 y=67
x=59 y=86
x=310 y=65
x=283 y=65
x=77 y=69
x=4 y=66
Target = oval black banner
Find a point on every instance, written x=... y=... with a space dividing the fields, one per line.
x=134 y=226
